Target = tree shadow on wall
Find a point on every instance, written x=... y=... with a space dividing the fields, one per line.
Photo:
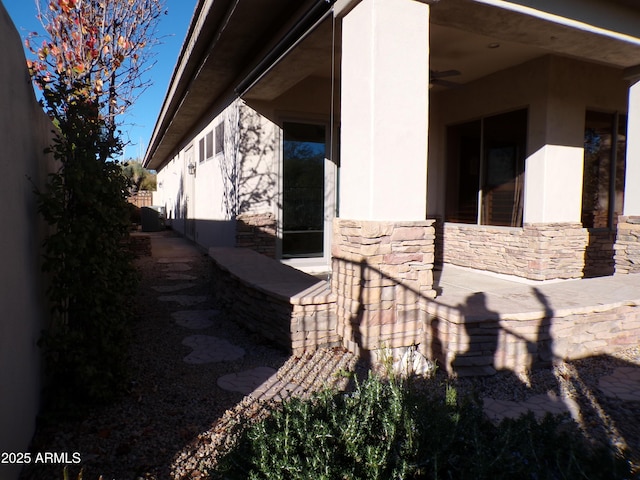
x=249 y=174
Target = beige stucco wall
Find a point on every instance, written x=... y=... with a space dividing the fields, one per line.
x=384 y=112
x=244 y=181
x=241 y=180
x=24 y=133
x=557 y=92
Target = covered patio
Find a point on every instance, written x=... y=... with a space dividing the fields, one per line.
x=387 y=142
x=479 y=322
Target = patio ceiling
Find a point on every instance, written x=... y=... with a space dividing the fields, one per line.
x=463 y=33
x=474 y=38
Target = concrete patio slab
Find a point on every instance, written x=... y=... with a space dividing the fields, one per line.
x=623 y=383
x=512 y=297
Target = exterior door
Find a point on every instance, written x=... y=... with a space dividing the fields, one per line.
x=307 y=195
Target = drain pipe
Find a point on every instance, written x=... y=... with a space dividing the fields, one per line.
x=307 y=23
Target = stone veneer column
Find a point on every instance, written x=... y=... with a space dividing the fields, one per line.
x=258 y=232
x=383 y=255
x=627 y=246
x=554 y=251
x=382 y=275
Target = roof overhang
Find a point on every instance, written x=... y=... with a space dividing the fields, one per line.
x=225 y=42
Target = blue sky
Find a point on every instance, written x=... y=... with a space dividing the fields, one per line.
x=140 y=119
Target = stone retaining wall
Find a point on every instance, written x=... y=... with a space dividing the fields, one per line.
x=284 y=305
x=599 y=254
x=627 y=247
x=481 y=346
x=536 y=251
x=382 y=272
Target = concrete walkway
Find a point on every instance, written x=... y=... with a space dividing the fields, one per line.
x=174 y=255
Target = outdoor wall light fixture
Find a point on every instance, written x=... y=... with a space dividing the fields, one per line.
x=191 y=168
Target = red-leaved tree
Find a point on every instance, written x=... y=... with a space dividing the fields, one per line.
x=104 y=45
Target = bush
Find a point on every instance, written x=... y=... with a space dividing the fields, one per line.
x=385 y=430
x=91 y=274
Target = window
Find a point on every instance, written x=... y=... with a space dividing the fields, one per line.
x=220 y=138
x=201 y=150
x=604 y=169
x=485 y=170
x=209 y=144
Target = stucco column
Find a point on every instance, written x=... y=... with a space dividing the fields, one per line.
x=385 y=78
x=554 y=166
x=383 y=247
x=627 y=247
x=631 y=190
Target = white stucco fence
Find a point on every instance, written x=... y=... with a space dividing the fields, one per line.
x=24 y=133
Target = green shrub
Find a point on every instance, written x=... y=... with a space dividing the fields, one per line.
x=384 y=430
x=91 y=274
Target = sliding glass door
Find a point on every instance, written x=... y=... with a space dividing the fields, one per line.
x=485 y=170
x=303 y=190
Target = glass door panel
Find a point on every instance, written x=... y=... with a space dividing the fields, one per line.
x=504 y=145
x=304 y=152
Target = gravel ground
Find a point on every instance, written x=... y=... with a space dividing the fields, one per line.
x=175 y=421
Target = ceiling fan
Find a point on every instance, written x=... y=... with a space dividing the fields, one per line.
x=436 y=78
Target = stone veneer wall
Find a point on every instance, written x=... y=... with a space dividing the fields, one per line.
x=483 y=345
x=627 y=246
x=284 y=305
x=382 y=274
x=257 y=231
x=536 y=251
x=599 y=254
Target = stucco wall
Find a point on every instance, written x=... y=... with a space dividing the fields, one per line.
x=241 y=180
x=24 y=133
x=557 y=92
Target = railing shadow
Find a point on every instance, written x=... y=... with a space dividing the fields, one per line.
x=473 y=338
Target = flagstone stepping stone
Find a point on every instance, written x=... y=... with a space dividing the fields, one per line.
x=184 y=300
x=540 y=405
x=623 y=383
x=176 y=259
x=180 y=276
x=177 y=267
x=209 y=349
x=173 y=288
x=261 y=382
x=195 y=319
